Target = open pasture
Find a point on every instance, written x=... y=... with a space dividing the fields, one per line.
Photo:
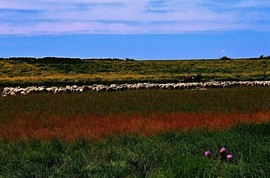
x=94 y=115
x=136 y=133
x=14 y=91
x=63 y=71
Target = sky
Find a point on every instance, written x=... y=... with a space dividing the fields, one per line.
x=139 y=29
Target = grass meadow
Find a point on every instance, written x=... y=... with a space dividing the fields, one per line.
x=170 y=154
x=71 y=71
x=142 y=133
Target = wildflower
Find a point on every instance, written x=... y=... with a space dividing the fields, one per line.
x=222 y=150
x=207 y=153
x=229 y=157
x=222 y=153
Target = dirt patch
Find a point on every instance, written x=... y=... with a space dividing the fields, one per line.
x=96 y=127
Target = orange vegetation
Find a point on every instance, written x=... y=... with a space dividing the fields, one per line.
x=95 y=127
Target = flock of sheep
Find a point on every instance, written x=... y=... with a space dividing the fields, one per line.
x=13 y=91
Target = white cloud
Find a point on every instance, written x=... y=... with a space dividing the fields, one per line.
x=253 y=3
x=220 y=51
x=125 y=17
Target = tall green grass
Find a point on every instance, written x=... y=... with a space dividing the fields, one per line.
x=172 y=154
x=238 y=99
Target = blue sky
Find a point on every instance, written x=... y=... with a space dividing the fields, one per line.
x=141 y=29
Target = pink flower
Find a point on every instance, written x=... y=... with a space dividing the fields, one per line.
x=222 y=153
x=222 y=150
x=229 y=157
x=207 y=153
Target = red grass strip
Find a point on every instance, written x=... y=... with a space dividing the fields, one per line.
x=96 y=127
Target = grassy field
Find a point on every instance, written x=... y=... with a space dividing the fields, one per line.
x=73 y=71
x=149 y=133
x=69 y=105
x=144 y=133
x=171 y=154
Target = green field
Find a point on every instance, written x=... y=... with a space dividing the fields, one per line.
x=59 y=71
x=227 y=100
x=25 y=152
x=172 y=154
x=134 y=133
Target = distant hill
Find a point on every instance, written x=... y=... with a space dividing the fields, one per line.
x=60 y=71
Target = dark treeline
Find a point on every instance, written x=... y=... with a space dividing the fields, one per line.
x=262 y=57
x=77 y=60
x=61 y=59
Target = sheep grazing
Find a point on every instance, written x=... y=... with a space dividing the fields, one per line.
x=14 y=91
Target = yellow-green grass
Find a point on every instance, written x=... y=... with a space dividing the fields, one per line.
x=59 y=71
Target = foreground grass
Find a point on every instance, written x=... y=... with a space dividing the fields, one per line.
x=168 y=154
x=172 y=154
